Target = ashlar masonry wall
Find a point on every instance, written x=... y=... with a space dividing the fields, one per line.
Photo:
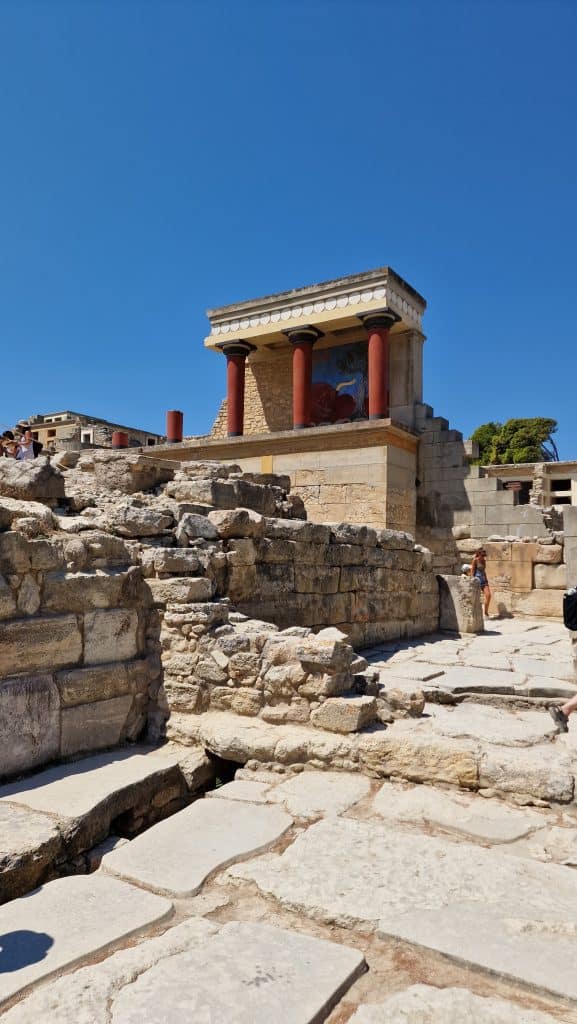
x=75 y=675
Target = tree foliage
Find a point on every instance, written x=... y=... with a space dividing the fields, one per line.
x=516 y=441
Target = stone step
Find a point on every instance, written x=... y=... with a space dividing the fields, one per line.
x=49 y=820
x=66 y=920
x=176 y=856
x=237 y=973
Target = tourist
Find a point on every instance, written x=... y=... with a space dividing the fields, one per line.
x=8 y=445
x=26 y=447
x=479 y=572
x=560 y=715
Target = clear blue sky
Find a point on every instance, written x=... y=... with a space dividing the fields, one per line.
x=162 y=157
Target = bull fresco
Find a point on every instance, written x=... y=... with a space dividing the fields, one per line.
x=340 y=388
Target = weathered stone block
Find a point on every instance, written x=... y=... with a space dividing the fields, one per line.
x=345 y=714
x=65 y=592
x=102 y=682
x=460 y=607
x=549 y=554
x=14 y=554
x=94 y=726
x=570 y=521
x=242 y=583
x=110 y=636
x=550 y=577
x=183 y=561
x=180 y=590
x=241 y=552
x=29 y=723
x=316 y=580
x=36 y=645
x=239 y=522
x=131 y=521
x=34 y=480
x=7 y=602
x=196 y=526
x=547 y=603
x=275 y=550
x=348 y=533
x=297 y=529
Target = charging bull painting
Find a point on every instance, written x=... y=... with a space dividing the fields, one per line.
x=340 y=390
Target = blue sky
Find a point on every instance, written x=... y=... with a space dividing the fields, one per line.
x=162 y=157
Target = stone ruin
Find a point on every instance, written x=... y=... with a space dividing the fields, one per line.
x=198 y=605
x=164 y=629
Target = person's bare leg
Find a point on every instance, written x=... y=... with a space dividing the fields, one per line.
x=561 y=714
x=570 y=706
x=487 y=596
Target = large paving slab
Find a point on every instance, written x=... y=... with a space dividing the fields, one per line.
x=241 y=789
x=317 y=794
x=471 y=816
x=29 y=844
x=510 y=916
x=198 y=972
x=177 y=855
x=423 y=1004
x=86 y=795
x=66 y=920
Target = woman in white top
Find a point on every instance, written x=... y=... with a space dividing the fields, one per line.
x=25 y=447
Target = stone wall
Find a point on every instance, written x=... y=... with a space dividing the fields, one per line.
x=526 y=578
x=111 y=593
x=74 y=670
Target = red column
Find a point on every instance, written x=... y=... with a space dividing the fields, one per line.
x=119 y=439
x=378 y=325
x=174 y=422
x=302 y=341
x=235 y=372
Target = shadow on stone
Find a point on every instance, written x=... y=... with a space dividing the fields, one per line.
x=21 y=948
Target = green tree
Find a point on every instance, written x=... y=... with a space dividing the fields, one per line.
x=516 y=441
x=485 y=436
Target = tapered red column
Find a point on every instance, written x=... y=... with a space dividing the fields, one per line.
x=302 y=341
x=174 y=425
x=235 y=373
x=378 y=325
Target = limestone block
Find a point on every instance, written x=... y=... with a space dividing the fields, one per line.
x=110 y=636
x=94 y=726
x=522 y=551
x=297 y=529
x=29 y=596
x=316 y=580
x=29 y=723
x=180 y=561
x=420 y=758
x=34 y=480
x=550 y=577
x=411 y=702
x=242 y=582
x=347 y=533
x=549 y=554
x=510 y=575
x=246 y=701
x=276 y=550
x=14 y=554
x=460 y=604
x=38 y=644
x=241 y=552
x=547 y=603
x=345 y=714
x=239 y=522
x=129 y=473
x=101 y=682
x=274 y=579
x=180 y=590
x=243 y=666
x=7 y=601
x=570 y=521
x=29 y=845
x=534 y=772
x=198 y=526
x=131 y=521
x=65 y=592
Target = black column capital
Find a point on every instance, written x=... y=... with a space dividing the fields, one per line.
x=296 y=335
x=235 y=348
x=379 y=318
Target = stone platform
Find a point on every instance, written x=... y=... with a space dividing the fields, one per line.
x=325 y=895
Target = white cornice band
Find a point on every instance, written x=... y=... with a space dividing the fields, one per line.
x=408 y=312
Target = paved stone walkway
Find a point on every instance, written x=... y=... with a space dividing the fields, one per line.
x=328 y=896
